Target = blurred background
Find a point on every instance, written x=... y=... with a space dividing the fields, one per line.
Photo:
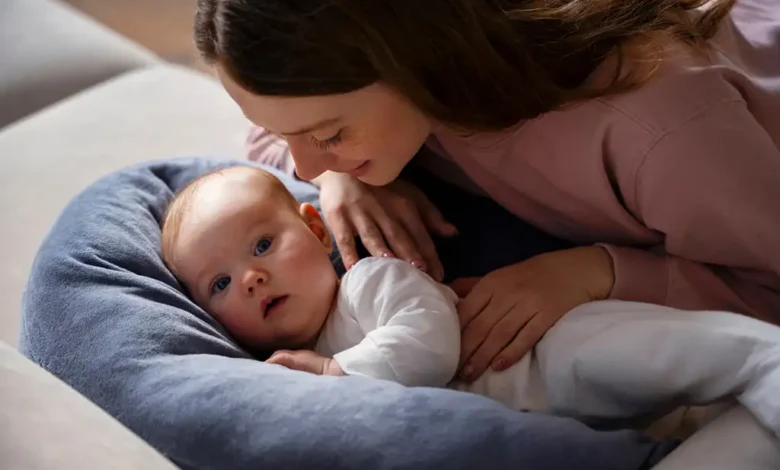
x=164 y=26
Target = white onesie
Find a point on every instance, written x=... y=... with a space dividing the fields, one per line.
x=602 y=360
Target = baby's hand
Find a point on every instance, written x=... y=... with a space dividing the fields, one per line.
x=306 y=361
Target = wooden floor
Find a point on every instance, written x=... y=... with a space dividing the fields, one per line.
x=164 y=26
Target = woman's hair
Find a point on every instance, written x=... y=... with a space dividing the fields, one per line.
x=472 y=64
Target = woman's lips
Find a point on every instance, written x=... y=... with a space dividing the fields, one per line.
x=359 y=170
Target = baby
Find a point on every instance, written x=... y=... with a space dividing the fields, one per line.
x=254 y=258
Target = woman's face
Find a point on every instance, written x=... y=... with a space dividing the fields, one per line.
x=371 y=133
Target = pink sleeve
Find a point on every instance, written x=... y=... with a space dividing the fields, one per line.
x=269 y=149
x=712 y=187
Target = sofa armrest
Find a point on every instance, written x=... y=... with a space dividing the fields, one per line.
x=49 y=51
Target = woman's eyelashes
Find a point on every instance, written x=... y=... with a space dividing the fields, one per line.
x=329 y=143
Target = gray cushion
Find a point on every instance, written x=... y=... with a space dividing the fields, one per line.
x=102 y=313
x=48 y=51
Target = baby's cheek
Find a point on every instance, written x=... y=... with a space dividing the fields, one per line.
x=307 y=254
x=239 y=321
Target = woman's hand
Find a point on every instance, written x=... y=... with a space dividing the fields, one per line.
x=393 y=220
x=306 y=361
x=508 y=311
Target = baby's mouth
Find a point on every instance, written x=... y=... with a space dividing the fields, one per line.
x=272 y=304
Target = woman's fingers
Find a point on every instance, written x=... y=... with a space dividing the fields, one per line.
x=477 y=331
x=399 y=240
x=422 y=238
x=523 y=342
x=463 y=285
x=369 y=232
x=474 y=302
x=487 y=355
x=388 y=222
x=344 y=236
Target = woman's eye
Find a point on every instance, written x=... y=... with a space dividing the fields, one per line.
x=262 y=246
x=325 y=144
x=220 y=285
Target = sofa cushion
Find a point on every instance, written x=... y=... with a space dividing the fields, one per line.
x=49 y=50
x=157 y=112
x=734 y=440
x=44 y=424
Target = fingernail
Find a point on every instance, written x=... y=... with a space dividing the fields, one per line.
x=499 y=364
x=467 y=371
x=419 y=265
x=387 y=255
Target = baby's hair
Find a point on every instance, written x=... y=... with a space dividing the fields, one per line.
x=182 y=201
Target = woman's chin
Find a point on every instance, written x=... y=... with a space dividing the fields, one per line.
x=379 y=177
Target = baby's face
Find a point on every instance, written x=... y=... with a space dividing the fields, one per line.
x=255 y=261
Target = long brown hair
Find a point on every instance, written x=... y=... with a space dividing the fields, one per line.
x=473 y=64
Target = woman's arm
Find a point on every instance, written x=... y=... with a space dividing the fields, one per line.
x=712 y=187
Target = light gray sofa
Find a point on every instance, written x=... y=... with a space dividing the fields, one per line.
x=78 y=101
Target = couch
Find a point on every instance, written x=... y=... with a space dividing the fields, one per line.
x=78 y=101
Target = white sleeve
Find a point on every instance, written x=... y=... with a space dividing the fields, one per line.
x=410 y=322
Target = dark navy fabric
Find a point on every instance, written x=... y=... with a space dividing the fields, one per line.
x=489 y=236
x=103 y=313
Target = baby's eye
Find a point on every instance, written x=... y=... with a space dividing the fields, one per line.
x=220 y=285
x=262 y=246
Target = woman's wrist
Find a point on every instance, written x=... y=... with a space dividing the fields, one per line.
x=604 y=272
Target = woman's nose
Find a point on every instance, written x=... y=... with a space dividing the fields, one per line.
x=309 y=163
x=253 y=279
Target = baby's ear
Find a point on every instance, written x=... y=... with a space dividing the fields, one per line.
x=316 y=225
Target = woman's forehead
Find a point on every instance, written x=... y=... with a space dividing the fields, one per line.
x=290 y=115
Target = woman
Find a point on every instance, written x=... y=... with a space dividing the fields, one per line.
x=646 y=131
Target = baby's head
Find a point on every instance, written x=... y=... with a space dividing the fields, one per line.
x=252 y=257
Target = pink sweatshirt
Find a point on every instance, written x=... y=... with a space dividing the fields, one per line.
x=679 y=180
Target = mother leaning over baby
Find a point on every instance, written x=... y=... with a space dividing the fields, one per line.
x=645 y=131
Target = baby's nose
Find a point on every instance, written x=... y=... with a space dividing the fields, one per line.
x=254 y=278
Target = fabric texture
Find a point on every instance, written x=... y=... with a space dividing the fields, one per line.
x=614 y=359
x=391 y=321
x=50 y=50
x=44 y=425
x=677 y=178
x=603 y=361
x=102 y=313
x=732 y=441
